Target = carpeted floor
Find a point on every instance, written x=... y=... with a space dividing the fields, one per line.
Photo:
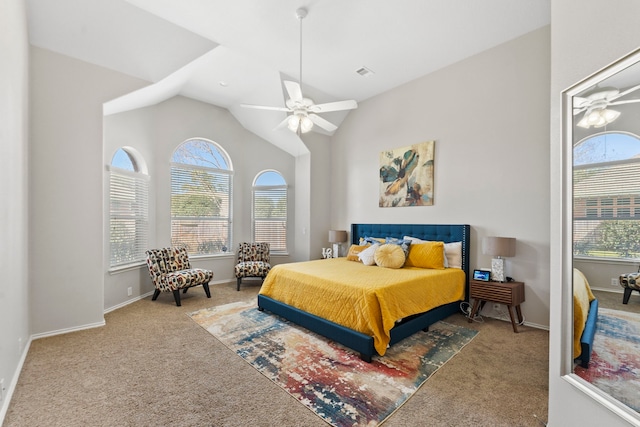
x=151 y=365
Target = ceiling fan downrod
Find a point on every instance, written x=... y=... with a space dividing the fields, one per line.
x=301 y=13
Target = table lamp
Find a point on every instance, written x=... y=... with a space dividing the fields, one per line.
x=498 y=248
x=337 y=237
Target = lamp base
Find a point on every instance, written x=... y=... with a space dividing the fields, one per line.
x=336 y=250
x=497 y=270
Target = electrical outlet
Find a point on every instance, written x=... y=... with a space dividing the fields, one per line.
x=496 y=306
x=615 y=282
x=2 y=390
x=129 y=291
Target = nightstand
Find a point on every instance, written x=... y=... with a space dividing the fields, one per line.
x=509 y=293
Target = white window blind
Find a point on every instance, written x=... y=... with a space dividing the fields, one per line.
x=201 y=208
x=607 y=209
x=270 y=216
x=128 y=216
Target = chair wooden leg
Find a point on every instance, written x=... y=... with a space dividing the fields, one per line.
x=176 y=296
x=155 y=295
x=239 y=280
x=627 y=294
x=206 y=289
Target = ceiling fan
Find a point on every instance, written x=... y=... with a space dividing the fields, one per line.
x=304 y=112
x=595 y=106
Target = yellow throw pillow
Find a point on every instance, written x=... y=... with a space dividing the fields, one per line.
x=389 y=256
x=354 y=250
x=426 y=255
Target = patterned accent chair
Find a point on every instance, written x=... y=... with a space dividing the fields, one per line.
x=630 y=283
x=171 y=271
x=253 y=261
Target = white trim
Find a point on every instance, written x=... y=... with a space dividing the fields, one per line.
x=14 y=382
x=621 y=410
x=124 y=304
x=68 y=330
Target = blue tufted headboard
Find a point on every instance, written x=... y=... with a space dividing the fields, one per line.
x=439 y=232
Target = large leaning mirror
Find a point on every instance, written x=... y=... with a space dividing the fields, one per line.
x=602 y=137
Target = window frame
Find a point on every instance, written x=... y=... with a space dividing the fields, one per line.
x=255 y=188
x=601 y=214
x=138 y=195
x=218 y=175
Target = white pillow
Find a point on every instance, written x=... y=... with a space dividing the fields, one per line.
x=452 y=252
x=368 y=255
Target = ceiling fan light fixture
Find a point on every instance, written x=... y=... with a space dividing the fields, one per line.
x=305 y=124
x=300 y=122
x=598 y=118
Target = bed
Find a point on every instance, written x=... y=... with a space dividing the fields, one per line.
x=380 y=333
x=585 y=317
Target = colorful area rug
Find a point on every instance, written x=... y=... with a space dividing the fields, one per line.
x=326 y=377
x=615 y=359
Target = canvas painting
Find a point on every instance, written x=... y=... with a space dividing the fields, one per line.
x=406 y=176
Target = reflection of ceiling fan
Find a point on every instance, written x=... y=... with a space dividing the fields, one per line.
x=595 y=106
x=303 y=110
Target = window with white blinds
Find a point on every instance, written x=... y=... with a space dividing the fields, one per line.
x=270 y=210
x=201 y=188
x=606 y=196
x=128 y=211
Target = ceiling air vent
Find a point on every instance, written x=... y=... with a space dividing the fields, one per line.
x=364 y=72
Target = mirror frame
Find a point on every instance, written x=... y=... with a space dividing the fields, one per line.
x=598 y=395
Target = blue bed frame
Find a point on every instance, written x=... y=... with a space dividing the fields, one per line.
x=362 y=343
x=589 y=332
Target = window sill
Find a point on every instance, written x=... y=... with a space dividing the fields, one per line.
x=127 y=267
x=602 y=260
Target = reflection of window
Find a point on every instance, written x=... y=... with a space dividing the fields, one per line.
x=201 y=185
x=270 y=210
x=606 y=180
x=128 y=209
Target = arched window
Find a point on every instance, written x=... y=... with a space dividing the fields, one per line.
x=606 y=196
x=128 y=208
x=201 y=187
x=270 y=210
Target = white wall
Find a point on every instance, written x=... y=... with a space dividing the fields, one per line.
x=573 y=58
x=14 y=293
x=65 y=189
x=489 y=116
x=156 y=132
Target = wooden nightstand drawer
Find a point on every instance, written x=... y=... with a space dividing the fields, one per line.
x=510 y=293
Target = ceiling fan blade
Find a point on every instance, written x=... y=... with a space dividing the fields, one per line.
x=324 y=124
x=264 y=107
x=579 y=102
x=334 y=106
x=625 y=101
x=626 y=92
x=294 y=91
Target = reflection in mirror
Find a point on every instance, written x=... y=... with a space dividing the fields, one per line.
x=605 y=137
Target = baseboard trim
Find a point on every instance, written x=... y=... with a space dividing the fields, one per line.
x=127 y=302
x=14 y=382
x=67 y=330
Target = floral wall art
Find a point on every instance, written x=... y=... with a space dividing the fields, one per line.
x=406 y=176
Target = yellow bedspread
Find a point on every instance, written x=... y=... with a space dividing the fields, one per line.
x=368 y=299
x=582 y=296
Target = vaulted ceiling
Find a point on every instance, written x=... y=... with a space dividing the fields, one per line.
x=227 y=52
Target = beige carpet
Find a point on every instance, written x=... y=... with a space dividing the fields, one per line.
x=151 y=365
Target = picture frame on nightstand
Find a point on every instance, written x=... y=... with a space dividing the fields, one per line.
x=482 y=275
